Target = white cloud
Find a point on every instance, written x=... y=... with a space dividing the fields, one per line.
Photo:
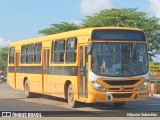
x=155 y=7
x=89 y=7
x=4 y=43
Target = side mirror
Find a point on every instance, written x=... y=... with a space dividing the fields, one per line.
x=89 y=49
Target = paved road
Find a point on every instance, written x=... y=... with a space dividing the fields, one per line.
x=14 y=100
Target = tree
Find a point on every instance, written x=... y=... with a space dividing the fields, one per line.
x=125 y=17
x=128 y=17
x=3 y=59
x=57 y=28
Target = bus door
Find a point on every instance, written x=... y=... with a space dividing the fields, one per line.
x=83 y=72
x=45 y=75
x=17 y=70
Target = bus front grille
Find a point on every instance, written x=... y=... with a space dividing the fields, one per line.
x=122 y=95
x=125 y=89
x=120 y=82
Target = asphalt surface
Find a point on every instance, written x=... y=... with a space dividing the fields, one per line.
x=14 y=100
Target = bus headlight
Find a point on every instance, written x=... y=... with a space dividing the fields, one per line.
x=97 y=86
x=144 y=85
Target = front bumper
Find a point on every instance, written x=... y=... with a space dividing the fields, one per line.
x=97 y=96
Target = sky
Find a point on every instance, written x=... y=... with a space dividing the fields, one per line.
x=22 y=19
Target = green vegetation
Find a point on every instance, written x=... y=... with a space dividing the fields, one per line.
x=156 y=81
x=125 y=17
x=57 y=28
x=3 y=59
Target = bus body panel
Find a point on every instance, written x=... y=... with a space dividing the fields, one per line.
x=44 y=79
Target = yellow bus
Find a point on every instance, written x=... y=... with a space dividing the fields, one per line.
x=100 y=64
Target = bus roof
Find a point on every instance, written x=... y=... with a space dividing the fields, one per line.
x=73 y=33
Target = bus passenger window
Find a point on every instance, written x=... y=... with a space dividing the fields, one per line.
x=30 y=53
x=52 y=52
x=59 y=50
x=11 y=55
x=37 y=53
x=23 y=54
x=71 y=47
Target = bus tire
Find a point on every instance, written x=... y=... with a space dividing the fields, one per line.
x=27 y=92
x=119 y=104
x=70 y=97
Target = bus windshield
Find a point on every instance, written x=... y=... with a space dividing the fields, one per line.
x=119 y=59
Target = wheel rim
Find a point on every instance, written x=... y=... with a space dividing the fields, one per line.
x=26 y=89
x=70 y=95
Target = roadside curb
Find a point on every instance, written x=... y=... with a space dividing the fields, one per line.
x=155 y=95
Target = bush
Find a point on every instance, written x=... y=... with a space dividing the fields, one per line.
x=155 y=81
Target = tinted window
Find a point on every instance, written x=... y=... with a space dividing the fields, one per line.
x=119 y=59
x=11 y=55
x=125 y=35
x=23 y=54
x=37 y=54
x=59 y=49
x=30 y=53
x=71 y=47
x=52 y=52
